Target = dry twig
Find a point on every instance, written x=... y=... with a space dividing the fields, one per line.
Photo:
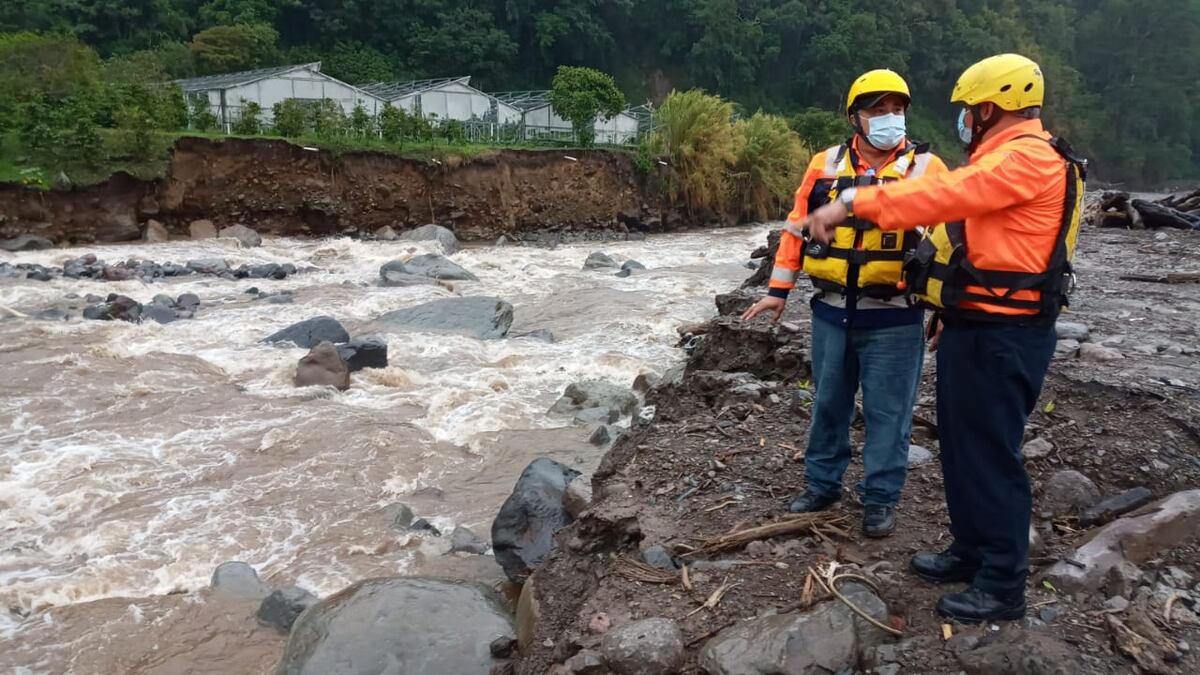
x=715 y=599
x=638 y=571
x=798 y=524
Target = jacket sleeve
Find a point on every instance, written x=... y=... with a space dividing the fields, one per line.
x=996 y=181
x=790 y=256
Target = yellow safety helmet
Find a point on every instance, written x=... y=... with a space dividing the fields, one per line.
x=881 y=82
x=1010 y=81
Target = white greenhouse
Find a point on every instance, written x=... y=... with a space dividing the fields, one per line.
x=267 y=86
x=450 y=98
x=540 y=121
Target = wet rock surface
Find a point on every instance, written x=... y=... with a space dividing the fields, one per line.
x=428 y=625
x=443 y=236
x=595 y=401
x=477 y=316
x=427 y=265
x=323 y=366
x=364 y=352
x=311 y=332
x=523 y=531
x=283 y=606
x=238 y=580
x=645 y=647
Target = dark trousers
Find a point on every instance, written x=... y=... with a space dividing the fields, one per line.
x=989 y=377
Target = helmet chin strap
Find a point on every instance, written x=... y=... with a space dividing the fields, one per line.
x=980 y=126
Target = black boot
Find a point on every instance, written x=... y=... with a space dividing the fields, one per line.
x=943 y=568
x=878 y=520
x=976 y=606
x=811 y=501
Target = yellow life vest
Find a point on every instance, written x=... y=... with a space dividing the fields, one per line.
x=861 y=255
x=940 y=274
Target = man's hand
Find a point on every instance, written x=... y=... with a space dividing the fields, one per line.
x=933 y=331
x=770 y=304
x=821 y=223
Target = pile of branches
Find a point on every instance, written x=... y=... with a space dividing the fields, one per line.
x=1181 y=211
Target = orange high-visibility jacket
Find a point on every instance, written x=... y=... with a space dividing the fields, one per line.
x=790 y=255
x=1010 y=196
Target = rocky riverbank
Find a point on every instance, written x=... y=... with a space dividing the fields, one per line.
x=689 y=528
x=283 y=189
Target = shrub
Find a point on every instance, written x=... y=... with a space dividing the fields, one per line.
x=770 y=163
x=249 y=123
x=291 y=118
x=819 y=129
x=694 y=133
x=328 y=120
x=361 y=123
x=580 y=94
x=392 y=123
x=136 y=135
x=203 y=118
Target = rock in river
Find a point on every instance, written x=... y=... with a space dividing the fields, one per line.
x=26 y=242
x=238 y=580
x=364 y=352
x=247 y=238
x=523 y=531
x=598 y=260
x=478 y=316
x=323 y=366
x=311 y=332
x=398 y=625
x=436 y=267
x=826 y=639
x=283 y=606
x=437 y=233
x=614 y=401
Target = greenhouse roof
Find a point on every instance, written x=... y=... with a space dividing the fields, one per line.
x=229 y=80
x=390 y=91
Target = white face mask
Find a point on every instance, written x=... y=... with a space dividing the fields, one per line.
x=886 y=131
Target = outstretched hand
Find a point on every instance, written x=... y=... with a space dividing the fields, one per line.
x=770 y=304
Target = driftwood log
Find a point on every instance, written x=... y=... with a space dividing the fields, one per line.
x=1117 y=209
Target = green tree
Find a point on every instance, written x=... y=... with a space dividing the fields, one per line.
x=135 y=131
x=328 y=120
x=172 y=110
x=202 y=117
x=223 y=49
x=357 y=63
x=770 y=163
x=361 y=123
x=249 y=122
x=579 y=95
x=291 y=118
x=392 y=123
x=819 y=129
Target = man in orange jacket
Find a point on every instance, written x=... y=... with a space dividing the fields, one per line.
x=864 y=332
x=998 y=271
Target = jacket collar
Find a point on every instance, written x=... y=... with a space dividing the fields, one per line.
x=1022 y=128
x=863 y=165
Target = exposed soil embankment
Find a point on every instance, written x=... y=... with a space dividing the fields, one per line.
x=279 y=188
x=724 y=454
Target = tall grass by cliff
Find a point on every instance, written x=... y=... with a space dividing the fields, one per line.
x=745 y=168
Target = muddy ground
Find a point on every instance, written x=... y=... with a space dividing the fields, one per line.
x=708 y=465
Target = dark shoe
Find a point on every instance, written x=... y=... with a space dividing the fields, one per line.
x=878 y=520
x=976 y=606
x=811 y=501
x=943 y=568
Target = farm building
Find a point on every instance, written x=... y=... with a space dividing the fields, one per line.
x=268 y=86
x=539 y=120
x=450 y=98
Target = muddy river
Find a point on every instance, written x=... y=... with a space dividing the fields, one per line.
x=135 y=458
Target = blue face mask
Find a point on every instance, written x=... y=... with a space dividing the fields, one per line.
x=886 y=131
x=964 y=134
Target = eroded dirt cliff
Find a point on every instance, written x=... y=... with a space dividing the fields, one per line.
x=280 y=188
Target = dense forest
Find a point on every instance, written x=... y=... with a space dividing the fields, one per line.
x=1122 y=74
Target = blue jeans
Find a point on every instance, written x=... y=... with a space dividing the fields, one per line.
x=886 y=362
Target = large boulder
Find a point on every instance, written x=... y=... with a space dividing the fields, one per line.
x=478 y=316
x=523 y=531
x=595 y=401
x=398 y=625
x=437 y=233
x=311 y=332
x=433 y=266
x=115 y=308
x=1137 y=537
x=1016 y=651
x=214 y=266
x=599 y=261
x=364 y=352
x=323 y=366
x=395 y=273
x=156 y=232
x=826 y=639
x=646 y=647
x=26 y=242
x=247 y=238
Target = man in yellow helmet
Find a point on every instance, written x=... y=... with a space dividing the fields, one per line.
x=864 y=332
x=998 y=273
